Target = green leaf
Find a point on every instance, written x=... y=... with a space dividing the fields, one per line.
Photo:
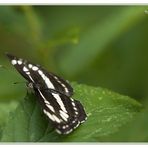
x=5 y=109
x=106 y=110
x=94 y=41
x=135 y=131
x=7 y=79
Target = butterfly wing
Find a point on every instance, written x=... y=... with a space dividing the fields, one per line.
x=20 y=65
x=65 y=113
x=39 y=76
x=61 y=85
x=54 y=95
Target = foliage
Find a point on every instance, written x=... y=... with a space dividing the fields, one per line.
x=107 y=111
x=100 y=46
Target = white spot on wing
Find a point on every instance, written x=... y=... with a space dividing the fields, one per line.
x=64 y=115
x=30 y=65
x=67 y=126
x=73 y=103
x=66 y=89
x=63 y=85
x=19 y=62
x=50 y=107
x=73 y=121
x=49 y=115
x=84 y=120
x=42 y=96
x=48 y=83
x=64 y=127
x=25 y=69
x=28 y=73
x=58 y=131
x=40 y=72
x=57 y=97
x=55 y=77
x=30 y=76
x=14 y=62
x=35 y=68
x=69 y=131
x=76 y=112
x=46 y=102
x=77 y=125
x=46 y=79
x=56 y=119
x=75 y=108
x=72 y=99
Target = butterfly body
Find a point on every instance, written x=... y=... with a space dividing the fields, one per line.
x=54 y=95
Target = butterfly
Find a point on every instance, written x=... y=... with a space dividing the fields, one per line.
x=54 y=95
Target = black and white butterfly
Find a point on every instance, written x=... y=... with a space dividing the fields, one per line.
x=54 y=95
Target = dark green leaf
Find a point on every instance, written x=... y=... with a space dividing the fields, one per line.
x=135 y=131
x=106 y=110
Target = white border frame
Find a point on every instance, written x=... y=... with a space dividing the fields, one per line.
x=74 y=2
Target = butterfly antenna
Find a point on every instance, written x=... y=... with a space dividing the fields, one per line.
x=19 y=82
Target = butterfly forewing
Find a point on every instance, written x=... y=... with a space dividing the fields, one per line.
x=60 y=84
x=54 y=95
x=38 y=75
x=19 y=64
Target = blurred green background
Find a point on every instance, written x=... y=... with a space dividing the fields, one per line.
x=104 y=46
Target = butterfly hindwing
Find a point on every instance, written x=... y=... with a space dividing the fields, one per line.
x=65 y=113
